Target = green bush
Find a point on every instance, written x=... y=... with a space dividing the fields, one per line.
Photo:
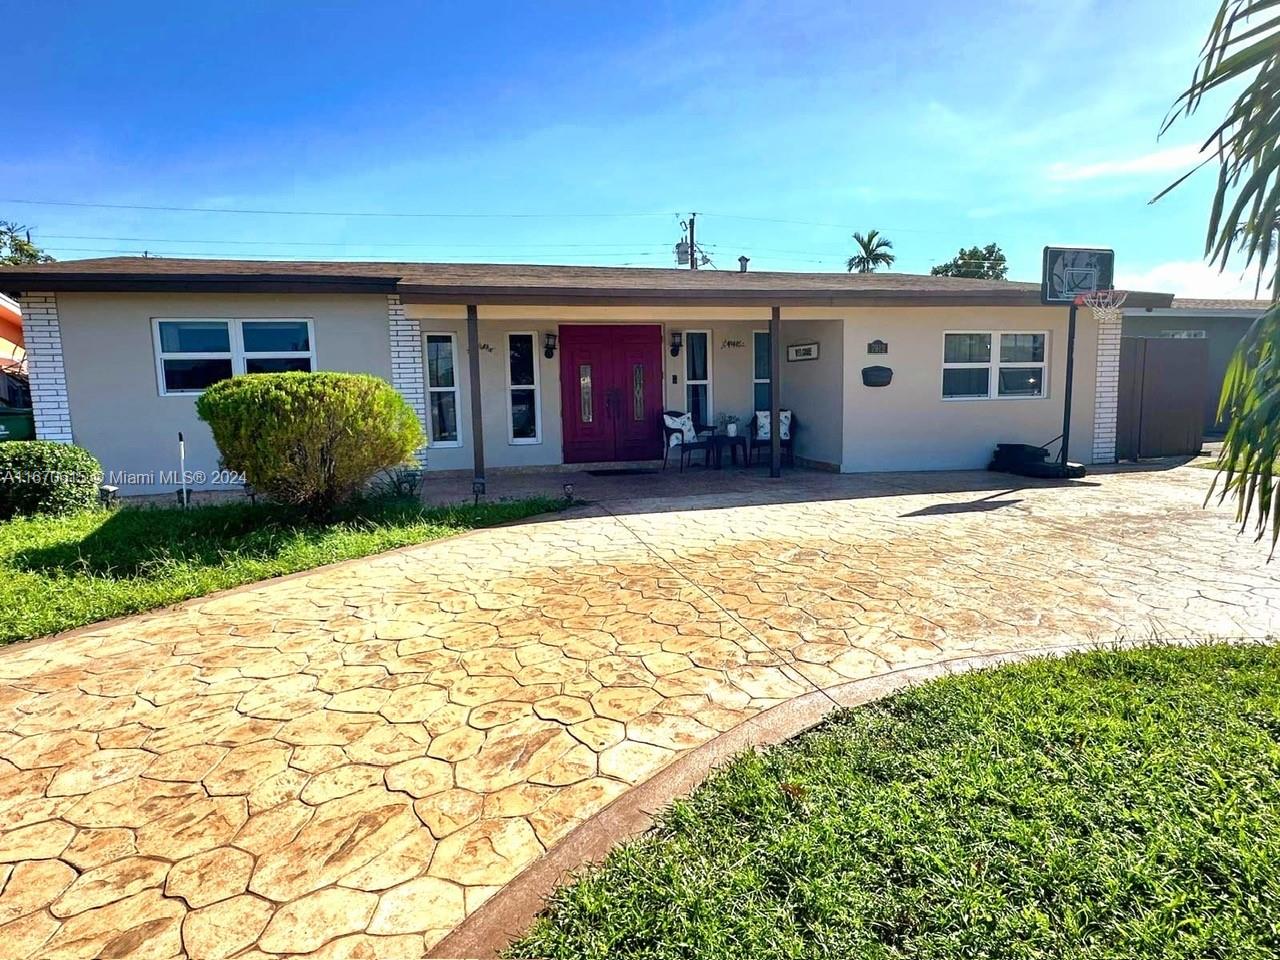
x=313 y=440
x=42 y=476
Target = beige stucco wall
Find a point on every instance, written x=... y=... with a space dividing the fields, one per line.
x=908 y=426
x=814 y=389
x=117 y=411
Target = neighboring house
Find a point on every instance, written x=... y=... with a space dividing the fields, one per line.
x=1221 y=322
x=13 y=377
x=10 y=330
x=120 y=347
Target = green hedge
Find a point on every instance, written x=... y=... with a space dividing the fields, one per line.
x=313 y=440
x=41 y=476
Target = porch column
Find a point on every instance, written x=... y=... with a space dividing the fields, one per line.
x=477 y=418
x=775 y=392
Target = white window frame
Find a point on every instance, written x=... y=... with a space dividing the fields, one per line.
x=235 y=339
x=711 y=396
x=456 y=389
x=537 y=389
x=756 y=381
x=994 y=365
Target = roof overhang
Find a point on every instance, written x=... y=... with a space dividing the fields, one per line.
x=1191 y=313
x=649 y=297
x=529 y=295
x=97 y=282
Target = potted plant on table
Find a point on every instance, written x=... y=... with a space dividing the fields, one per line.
x=728 y=424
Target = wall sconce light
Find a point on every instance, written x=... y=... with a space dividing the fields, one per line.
x=549 y=345
x=677 y=341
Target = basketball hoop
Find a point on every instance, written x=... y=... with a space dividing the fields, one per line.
x=1107 y=305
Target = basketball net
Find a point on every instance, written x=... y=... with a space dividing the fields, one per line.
x=1107 y=305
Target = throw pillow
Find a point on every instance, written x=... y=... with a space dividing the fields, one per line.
x=683 y=423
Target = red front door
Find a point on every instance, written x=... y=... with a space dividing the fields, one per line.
x=611 y=392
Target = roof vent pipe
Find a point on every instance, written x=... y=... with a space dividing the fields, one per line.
x=742 y=264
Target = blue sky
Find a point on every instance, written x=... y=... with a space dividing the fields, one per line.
x=941 y=124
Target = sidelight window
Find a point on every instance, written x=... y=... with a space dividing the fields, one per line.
x=523 y=390
x=697 y=376
x=442 y=389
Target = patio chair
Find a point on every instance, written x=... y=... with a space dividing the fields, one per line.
x=677 y=428
x=756 y=441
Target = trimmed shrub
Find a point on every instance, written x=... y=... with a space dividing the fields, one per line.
x=43 y=476
x=313 y=440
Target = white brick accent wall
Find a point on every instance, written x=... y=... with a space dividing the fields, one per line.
x=406 y=362
x=43 y=340
x=1107 y=391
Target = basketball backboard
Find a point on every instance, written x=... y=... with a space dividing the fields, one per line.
x=1071 y=271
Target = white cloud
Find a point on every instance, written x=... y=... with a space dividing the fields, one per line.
x=1190 y=278
x=1168 y=160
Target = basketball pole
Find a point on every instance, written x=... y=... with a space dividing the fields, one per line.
x=1066 y=392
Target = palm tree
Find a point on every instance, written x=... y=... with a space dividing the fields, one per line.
x=873 y=252
x=1244 y=43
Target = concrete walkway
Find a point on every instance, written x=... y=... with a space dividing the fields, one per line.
x=349 y=762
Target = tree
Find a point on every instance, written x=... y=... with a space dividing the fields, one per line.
x=16 y=248
x=1242 y=221
x=873 y=252
x=983 y=263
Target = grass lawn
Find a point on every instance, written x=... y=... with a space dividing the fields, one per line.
x=63 y=572
x=1120 y=805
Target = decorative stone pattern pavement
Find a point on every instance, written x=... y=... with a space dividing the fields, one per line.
x=347 y=763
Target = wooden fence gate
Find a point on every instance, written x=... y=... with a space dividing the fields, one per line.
x=1161 y=403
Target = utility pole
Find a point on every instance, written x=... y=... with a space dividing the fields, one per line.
x=689 y=245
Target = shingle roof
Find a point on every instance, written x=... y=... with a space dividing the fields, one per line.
x=510 y=283
x=1197 y=303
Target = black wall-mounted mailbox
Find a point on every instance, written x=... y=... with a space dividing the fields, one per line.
x=876 y=376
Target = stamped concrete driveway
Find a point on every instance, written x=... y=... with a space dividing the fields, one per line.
x=349 y=762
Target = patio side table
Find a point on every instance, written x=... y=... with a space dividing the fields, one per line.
x=722 y=441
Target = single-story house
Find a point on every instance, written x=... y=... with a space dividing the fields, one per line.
x=522 y=366
x=10 y=329
x=1221 y=322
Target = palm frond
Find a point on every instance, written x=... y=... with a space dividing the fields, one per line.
x=1243 y=46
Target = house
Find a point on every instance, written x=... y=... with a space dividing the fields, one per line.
x=10 y=330
x=522 y=366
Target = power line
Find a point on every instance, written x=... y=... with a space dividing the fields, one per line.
x=817 y=223
x=326 y=257
x=443 y=215
x=330 y=213
x=823 y=256
x=337 y=243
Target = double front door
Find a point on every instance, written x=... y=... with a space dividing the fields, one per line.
x=611 y=392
